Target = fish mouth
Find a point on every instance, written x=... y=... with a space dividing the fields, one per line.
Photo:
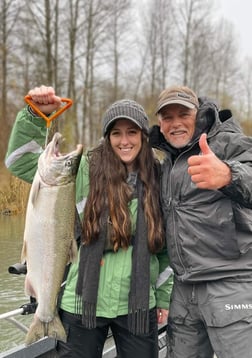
x=53 y=148
x=55 y=168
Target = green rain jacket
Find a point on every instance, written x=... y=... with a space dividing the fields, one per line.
x=25 y=145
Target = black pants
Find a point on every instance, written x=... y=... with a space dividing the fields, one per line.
x=89 y=343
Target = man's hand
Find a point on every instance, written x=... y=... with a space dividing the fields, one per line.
x=45 y=99
x=208 y=171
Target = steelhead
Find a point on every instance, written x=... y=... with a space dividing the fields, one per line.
x=49 y=243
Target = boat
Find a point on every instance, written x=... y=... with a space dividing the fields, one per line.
x=45 y=347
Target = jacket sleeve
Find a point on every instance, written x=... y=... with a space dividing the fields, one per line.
x=25 y=145
x=165 y=281
x=237 y=154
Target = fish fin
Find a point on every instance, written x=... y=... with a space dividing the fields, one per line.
x=39 y=329
x=35 y=189
x=24 y=252
x=29 y=291
x=36 y=331
x=55 y=329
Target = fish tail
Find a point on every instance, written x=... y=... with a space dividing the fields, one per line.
x=39 y=329
x=36 y=331
x=55 y=329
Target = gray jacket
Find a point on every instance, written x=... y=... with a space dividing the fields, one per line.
x=209 y=232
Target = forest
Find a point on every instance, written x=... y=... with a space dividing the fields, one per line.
x=98 y=51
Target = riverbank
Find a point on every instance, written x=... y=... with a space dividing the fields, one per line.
x=5 y=176
x=13 y=193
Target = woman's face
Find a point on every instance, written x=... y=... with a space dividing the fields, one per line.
x=126 y=141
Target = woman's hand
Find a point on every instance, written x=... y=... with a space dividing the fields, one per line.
x=45 y=99
x=162 y=315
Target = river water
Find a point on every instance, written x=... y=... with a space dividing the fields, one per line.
x=11 y=286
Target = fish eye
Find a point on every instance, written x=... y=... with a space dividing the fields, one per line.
x=68 y=163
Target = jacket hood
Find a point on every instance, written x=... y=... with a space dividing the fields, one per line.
x=228 y=123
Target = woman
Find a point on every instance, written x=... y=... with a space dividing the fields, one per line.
x=113 y=285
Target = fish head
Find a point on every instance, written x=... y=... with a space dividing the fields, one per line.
x=55 y=168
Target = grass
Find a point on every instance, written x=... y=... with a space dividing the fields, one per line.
x=13 y=193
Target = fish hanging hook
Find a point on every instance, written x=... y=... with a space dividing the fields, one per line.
x=49 y=119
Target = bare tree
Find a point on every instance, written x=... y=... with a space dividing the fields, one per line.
x=95 y=51
x=246 y=100
x=160 y=42
x=118 y=40
x=223 y=64
x=99 y=16
x=44 y=20
x=193 y=31
x=72 y=22
x=9 y=12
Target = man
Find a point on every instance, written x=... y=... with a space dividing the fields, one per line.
x=206 y=197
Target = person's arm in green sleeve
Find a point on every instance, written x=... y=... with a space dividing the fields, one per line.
x=25 y=145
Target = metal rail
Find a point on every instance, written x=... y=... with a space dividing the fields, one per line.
x=45 y=347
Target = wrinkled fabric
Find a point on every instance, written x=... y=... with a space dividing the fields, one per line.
x=208 y=232
x=209 y=317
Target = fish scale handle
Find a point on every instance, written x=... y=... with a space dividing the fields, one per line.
x=49 y=119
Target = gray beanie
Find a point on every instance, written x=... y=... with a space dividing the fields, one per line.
x=128 y=109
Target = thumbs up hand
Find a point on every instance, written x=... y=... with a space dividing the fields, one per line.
x=207 y=171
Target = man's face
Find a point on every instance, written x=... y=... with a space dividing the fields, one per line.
x=177 y=123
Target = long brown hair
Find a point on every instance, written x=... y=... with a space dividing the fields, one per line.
x=109 y=193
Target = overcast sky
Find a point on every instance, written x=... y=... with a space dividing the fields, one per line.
x=239 y=12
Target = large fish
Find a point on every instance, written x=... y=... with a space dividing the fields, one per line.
x=49 y=243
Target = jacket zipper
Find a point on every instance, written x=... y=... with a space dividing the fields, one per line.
x=171 y=205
